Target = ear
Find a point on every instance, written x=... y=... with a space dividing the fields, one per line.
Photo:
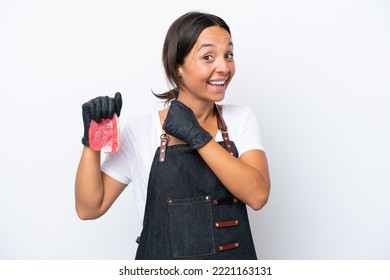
x=180 y=70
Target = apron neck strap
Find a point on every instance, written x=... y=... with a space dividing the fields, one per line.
x=223 y=128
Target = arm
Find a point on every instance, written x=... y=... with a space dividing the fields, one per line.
x=247 y=178
x=94 y=190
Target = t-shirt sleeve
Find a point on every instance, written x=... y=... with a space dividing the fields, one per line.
x=120 y=165
x=249 y=133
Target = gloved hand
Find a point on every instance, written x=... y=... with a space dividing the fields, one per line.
x=182 y=124
x=98 y=108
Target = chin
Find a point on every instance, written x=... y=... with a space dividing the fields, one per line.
x=218 y=97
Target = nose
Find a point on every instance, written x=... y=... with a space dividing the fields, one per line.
x=222 y=66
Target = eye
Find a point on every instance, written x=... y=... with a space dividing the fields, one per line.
x=229 y=56
x=208 y=57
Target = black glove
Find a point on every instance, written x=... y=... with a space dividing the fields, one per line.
x=182 y=123
x=102 y=107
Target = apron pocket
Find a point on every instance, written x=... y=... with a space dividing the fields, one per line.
x=191 y=226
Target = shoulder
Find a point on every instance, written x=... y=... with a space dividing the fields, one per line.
x=141 y=128
x=237 y=113
x=141 y=122
x=243 y=127
x=240 y=119
x=234 y=108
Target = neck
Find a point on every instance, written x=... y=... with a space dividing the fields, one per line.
x=203 y=110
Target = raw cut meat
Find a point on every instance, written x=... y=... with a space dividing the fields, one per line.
x=104 y=135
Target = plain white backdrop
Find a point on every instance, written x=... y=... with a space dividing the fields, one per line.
x=317 y=74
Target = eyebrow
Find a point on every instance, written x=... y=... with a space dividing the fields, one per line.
x=206 y=45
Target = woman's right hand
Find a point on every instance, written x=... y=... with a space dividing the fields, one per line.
x=97 y=109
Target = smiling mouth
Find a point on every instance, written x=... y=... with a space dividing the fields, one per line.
x=217 y=83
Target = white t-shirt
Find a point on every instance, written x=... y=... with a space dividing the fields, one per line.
x=141 y=137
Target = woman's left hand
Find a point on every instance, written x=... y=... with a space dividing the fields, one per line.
x=182 y=124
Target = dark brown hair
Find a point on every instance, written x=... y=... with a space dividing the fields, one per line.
x=179 y=41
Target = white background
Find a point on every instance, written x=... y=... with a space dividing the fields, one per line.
x=316 y=73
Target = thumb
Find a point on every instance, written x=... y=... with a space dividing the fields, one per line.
x=118 y=103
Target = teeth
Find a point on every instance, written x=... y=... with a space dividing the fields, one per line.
x=219 y=83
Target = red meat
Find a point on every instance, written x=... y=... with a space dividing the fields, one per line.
x=104 y=135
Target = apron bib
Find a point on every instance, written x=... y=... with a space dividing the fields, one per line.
x=189 y=214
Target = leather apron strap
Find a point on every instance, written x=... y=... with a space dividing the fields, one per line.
x=223 y=129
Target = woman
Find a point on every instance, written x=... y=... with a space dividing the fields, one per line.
x=191 y=181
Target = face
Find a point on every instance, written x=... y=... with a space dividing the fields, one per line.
x=209 y=67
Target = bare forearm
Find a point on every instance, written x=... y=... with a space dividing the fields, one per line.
x=249 y=184
x=89 y=185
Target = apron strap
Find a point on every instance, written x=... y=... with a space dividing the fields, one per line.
x=223 y=128
x=163 y=146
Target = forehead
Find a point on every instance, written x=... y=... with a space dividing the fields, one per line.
x=214 y=35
